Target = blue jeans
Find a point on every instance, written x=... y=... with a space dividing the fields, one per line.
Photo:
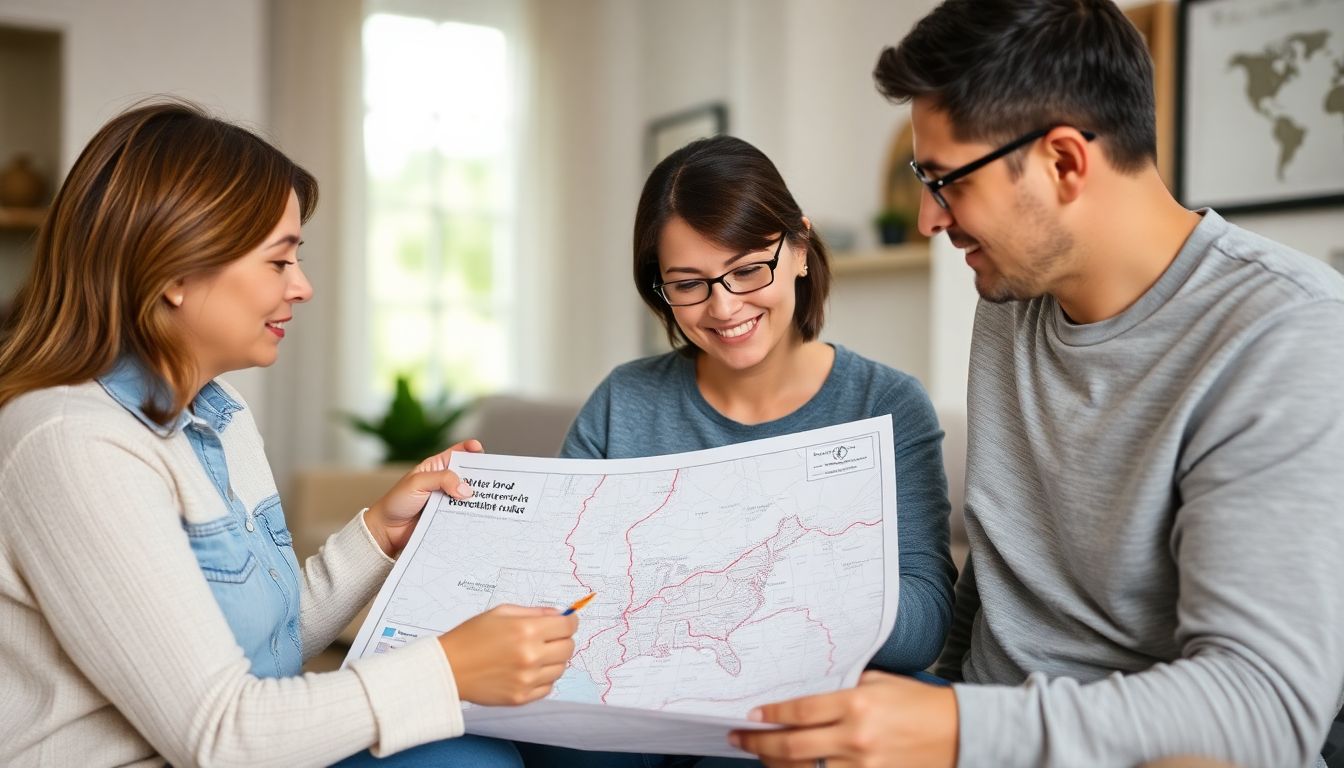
x=542 y=756
x=930 y=678
x=462 y=752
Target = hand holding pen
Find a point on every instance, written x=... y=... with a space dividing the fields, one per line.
x=510 y=654
x=582 y=601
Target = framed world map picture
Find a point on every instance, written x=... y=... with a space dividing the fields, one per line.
x=1261 y=106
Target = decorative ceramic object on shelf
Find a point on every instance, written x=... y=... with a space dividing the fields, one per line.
x=20 y=185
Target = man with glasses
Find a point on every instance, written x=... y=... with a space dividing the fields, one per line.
x=1156 y=447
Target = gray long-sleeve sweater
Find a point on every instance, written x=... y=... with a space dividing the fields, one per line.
x=1155 y=507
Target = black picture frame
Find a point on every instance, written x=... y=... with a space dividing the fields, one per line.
x=670 y=132
x=1230 y=154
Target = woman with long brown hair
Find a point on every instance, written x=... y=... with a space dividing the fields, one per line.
x=151 y=607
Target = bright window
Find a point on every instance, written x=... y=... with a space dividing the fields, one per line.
x=439 y=164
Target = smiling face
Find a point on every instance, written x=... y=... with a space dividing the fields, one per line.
x=737 y=331
x=1012 y=239
x=234 y=318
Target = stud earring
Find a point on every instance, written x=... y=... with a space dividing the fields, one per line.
x=804 y=272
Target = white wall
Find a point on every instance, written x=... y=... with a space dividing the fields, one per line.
x=115 y=53
x=586 y=174
x=829 y=132
x=1317 y=232
x=316 y=110
x=796 y=76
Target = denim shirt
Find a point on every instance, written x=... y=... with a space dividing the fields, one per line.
x=246 y=555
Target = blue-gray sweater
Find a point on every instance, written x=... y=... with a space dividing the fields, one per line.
x=652 y=406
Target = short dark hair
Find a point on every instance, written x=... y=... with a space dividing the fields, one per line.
x=1002 y=68
x=729 y=192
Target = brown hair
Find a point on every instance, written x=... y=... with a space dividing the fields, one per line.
x=1003 y=68
x=730 y=193
x=162 y=192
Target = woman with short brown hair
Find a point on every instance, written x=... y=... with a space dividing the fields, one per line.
x=726 y=260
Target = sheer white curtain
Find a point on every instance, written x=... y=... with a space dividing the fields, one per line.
x=315 y=118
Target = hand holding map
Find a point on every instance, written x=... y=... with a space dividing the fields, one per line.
x=724 y=579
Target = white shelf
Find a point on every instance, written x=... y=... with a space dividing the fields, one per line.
x=889 y=258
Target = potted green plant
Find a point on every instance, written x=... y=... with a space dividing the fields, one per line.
x=892 y=226
x=409 y=430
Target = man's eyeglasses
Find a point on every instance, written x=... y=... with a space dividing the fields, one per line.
x=936 y=185
x=741 y=279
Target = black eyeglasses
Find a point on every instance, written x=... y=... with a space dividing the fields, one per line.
x=741 y=279
x=936 y=185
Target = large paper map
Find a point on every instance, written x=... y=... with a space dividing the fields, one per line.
x=725 y=578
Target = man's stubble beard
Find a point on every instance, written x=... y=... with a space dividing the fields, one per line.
x=1050 y=247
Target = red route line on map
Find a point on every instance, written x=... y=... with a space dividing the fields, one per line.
x=630 y=574
x=579 y=519
x=830 y=639
x=764 y=542
x=591 y=638
x=629 y=571
x=625 y=614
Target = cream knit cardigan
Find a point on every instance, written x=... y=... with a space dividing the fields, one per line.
x=112 y=648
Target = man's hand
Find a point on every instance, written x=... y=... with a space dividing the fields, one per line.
x=886 y=720
x=392 y=518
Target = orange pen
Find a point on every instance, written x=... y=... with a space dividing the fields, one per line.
x=582 y=601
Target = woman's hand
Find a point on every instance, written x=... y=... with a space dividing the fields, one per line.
x=392 y=518
x=509 y=655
